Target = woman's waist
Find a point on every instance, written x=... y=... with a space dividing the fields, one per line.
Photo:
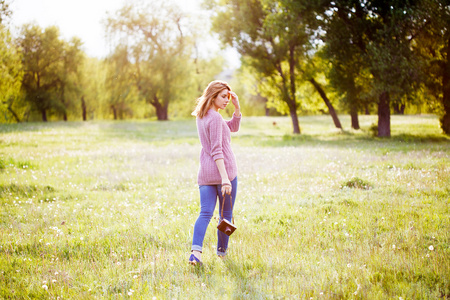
x=228 y=157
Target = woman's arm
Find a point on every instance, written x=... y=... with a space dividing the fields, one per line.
x=235 y=121
x=226 y=184
x=235 y=101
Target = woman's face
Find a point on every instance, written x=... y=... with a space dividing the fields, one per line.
x=221 y=100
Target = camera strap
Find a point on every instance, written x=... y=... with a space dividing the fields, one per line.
x=223 y=205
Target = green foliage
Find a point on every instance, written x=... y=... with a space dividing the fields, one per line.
x=157 y=56
x=248 y=88
x=11 y=74
x=70 y=74
x=373 y=38
x=363 y=50
x=93 y=90
x=4 y=163
x=119 y=84
x=431 y=44
x=356 y=183
x=5 y=12
x=51 y=66
x=272 y=37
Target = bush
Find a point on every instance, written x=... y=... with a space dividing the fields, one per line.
x=373 y=130
x=357 y=183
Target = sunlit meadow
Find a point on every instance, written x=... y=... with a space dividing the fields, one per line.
x=106 y=210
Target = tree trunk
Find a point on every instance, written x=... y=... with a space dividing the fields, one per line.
x=396 y=109
x=294 y=117
x=445 y=120
x=83 y=108
x=114 y=111
x=14 y=114
x=366 y=109
x=354 y=117
x=384 y=115
x=44 y=115
x=399 y=109
x=293 y=101
x=63 y=101
x=161 y=113
x=267 y=110
x=333 y=114
x=161 y=110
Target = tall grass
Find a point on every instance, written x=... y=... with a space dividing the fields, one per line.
x=106 y=210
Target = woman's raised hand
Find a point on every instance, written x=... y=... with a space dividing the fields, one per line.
x=234 y=99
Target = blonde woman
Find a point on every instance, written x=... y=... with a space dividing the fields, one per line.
x=217 y=176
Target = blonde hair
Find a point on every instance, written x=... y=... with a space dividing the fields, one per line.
x=205 y=102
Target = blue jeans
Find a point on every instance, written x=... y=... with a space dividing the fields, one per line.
x=208 y=197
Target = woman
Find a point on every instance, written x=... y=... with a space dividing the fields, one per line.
x=217 y=176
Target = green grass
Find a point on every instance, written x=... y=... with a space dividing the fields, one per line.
x=106 y=210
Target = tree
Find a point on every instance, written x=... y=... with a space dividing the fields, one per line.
x=381 y=34
x=119 y=83
x=252 y=27
x=10 y=68
x=70 y=75
x=158 y=47
x=42 y=56
x=51 y=70
x=93 y=92
x=312 y=69
x=274 y=38
x=342 y=37
x=10 y=75
x=433 y=46
x=5 y=11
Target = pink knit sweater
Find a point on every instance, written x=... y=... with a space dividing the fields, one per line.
x=215 y=136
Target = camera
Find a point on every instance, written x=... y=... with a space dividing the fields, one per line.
x=226 y=227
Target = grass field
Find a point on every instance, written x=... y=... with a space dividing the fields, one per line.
x=106 y=210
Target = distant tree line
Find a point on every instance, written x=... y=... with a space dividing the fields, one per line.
x=152 y=64
x=298 y=57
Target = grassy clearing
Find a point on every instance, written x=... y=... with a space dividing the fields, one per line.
x=106 y=210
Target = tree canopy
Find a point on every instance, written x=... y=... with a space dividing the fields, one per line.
x=297 y=56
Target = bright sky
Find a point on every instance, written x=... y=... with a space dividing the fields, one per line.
x=82 y=18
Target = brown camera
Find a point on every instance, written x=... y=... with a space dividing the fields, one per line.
x=226 y=226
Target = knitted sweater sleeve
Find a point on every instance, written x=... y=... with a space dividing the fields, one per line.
x=215 y=136
x=234 y=123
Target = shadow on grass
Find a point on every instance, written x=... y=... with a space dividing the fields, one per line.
x=40 y=126
x=159 y=133
x=24 y=190
x=243 y=282
x=344 y=139
x=184 y=131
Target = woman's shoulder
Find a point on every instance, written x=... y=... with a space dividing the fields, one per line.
x=213 y=115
